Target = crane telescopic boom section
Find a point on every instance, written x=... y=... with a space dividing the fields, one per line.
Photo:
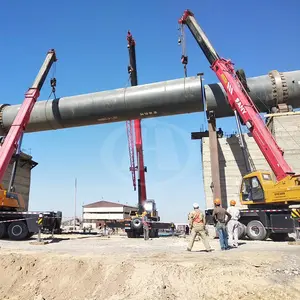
x=239 y=100
x=21 y=120
x=137 y=126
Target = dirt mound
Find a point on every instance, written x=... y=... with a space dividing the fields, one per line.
x=195 y=276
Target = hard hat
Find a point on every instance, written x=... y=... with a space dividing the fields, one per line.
x=232 y=202
x=217 y=201
x=196 y=205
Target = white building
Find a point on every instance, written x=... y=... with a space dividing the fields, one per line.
x=95 y=214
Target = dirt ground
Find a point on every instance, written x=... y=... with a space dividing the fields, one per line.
x=120 y=268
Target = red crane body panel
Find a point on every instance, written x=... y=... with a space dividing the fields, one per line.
x=140 y=158
x=242 y=103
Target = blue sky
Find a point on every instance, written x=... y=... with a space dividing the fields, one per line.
x=90 y=40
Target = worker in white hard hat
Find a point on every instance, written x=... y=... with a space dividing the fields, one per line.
x=233 y=224
x=197 y=226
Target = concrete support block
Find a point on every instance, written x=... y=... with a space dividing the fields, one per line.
x=286 y=130
x=23 y=176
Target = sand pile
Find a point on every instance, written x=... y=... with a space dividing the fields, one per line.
x=190 y=276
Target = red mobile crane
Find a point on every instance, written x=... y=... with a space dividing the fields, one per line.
x=132 y=70
x=13 y=220
x=134 y=226
x=270 y=199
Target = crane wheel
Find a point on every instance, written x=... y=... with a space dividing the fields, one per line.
x=256 y=231
x=3 y=230
x=242 y=231
x=17 y=231
x=30 y=235
x=279 y=237
x=137 y=223
x=131 y=235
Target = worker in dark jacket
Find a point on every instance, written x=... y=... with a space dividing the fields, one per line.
x=219 y=216
x=145 y=225
x=187 y=230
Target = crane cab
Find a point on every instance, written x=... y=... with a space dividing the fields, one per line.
x=259 y=187
x=255 y=188
x=150 y=208
x=11 y=200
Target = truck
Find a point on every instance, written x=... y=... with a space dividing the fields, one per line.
x=269 y=201
x=15 y=222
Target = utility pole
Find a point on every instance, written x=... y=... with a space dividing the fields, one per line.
x=75 y=196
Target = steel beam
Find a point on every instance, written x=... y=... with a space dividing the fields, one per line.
x=214 y=158
x=179 y=96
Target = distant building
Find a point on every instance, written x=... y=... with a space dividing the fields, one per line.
x=97 y=213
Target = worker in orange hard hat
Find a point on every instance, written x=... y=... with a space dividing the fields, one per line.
x=233 y=224
x=217 y=201
x=219 y=216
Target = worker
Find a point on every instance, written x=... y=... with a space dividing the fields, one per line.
x=187 y=230
x=197 y=226
x=219 y=216
x=173 y=229
x=233 y=224
x=145 y=225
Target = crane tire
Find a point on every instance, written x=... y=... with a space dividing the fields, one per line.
x=279 y=237
x=17 y=231
x=3 y=230
x=152 y=234
x=130 y=234
x=256 y=231
x=242 y=231
x=137 y=223
x=30 y=235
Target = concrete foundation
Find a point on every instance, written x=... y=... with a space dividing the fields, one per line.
x=286 y=130
x=23 y=176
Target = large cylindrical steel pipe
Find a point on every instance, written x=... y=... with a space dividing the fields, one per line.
x=171 y=97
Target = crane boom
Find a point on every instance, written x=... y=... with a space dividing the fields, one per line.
x=142 y=196
x=130 y=138
x=239 y=100
x=18 y=126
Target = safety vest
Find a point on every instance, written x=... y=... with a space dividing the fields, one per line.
x=197 y=219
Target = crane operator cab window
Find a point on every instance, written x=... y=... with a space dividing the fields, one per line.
x=252 y=190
